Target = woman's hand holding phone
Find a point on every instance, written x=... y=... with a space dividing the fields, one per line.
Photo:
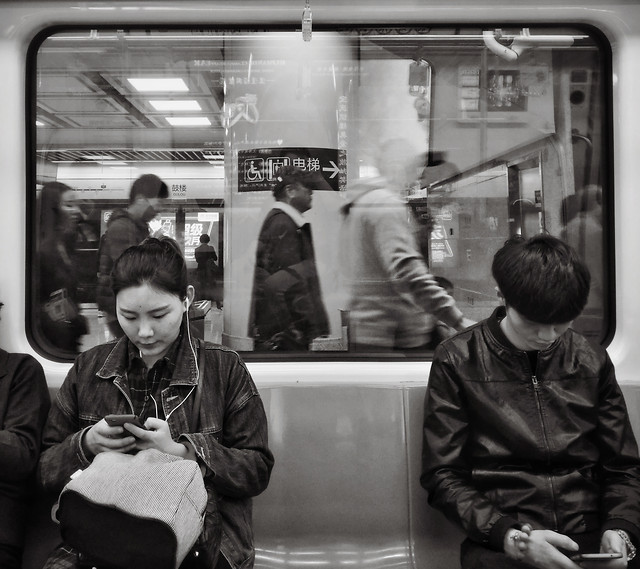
x=103 y=437
x=126 y=433
x=121 y=420
x=156 y=434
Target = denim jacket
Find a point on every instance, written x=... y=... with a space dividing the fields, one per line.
x=231 y=440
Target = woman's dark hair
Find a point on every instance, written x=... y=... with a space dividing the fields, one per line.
x=542 y=278
x=156 y=262
x=51 y=216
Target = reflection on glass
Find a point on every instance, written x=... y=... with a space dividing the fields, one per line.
x=58 y=313
x=505 y=147
x=287 y=311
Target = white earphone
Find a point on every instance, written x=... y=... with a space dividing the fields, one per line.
x=195 y=357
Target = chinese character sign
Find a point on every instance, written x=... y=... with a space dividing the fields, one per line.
x=258 y=168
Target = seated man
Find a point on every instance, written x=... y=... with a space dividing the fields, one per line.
x=527 y=442
x=24 y=405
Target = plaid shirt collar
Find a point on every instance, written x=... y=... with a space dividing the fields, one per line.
x=146 y=385
x=116 y=364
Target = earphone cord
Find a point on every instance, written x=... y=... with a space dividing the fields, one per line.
x=195 y=358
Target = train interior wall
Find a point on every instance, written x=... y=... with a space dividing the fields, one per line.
x=345 y=489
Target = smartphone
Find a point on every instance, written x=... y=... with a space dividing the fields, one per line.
x=596 y=556
x=120 y=420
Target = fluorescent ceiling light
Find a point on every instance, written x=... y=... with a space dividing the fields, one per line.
x=97 y=157
x=158 y=84
x=188 y=121
x=39 y=123
x=190 y=105
x=114 y=163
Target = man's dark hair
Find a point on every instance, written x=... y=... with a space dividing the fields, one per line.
x=542 y=278
x=149 y=186
x=288 y=175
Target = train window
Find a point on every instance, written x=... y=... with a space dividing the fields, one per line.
x=269 y=143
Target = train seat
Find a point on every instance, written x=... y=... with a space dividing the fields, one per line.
x=345 y=488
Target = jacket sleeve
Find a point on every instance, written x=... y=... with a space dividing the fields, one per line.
x=446 y=473
x=619 y=462
x=26 y=411
x=62 y=451
x=238 y=457
x=407 y=270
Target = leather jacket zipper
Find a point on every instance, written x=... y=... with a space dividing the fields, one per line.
x=536 y=389
x=536 y=392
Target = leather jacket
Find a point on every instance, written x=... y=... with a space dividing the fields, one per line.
x=504 y=446
x=24 y=404
x=231 y=440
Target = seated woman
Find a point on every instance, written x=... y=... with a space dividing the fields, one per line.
x=527 y=441
x=151 y=372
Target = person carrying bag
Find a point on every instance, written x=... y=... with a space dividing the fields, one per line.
x=157 y=497
x=155 y=373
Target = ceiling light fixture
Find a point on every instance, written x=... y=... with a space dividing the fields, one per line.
x=168 y=105
x=188 y=121
x=97 y=157
x=157 y=84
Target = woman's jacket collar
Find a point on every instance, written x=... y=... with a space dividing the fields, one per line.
x=185 y=372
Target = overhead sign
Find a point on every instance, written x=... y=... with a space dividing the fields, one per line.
x=258 y=167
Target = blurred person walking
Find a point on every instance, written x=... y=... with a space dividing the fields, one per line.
x=287 y=310
x=394 y=301
x=126 y=227
x=60 y=318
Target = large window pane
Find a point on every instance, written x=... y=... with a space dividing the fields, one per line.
x=504 y=142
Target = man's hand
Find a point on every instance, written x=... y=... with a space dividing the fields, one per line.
x=540 y=548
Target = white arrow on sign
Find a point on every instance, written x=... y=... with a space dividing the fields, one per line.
x=333 y=169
